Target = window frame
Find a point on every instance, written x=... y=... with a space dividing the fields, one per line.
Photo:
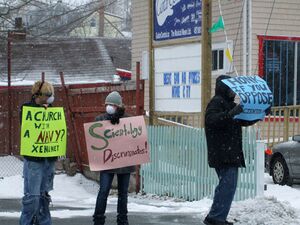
x=218 y=51
x=227 y=68
x=262 y=59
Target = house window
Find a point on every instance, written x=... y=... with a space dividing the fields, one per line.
x=281 y=71
x=93 y=22
x=217 y=59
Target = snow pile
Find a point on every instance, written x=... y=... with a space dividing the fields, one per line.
x=259 y=211
x=263 y=211
x=74 y=191
x=11 y=187
x=77 y=195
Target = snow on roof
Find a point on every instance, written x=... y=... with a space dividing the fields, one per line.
x=87 y=59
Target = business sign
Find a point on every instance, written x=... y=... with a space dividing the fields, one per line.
x=43 y=132
x=177 y=19
x=178 y=78
x=113 y=146
x=254 y=94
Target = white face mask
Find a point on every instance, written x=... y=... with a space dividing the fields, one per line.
x=50 y=100
x=110 y=109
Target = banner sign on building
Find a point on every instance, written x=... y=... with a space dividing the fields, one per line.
x=177 y=19
x=254 y=94
x=43 y=132
x=178 y=78
x=113 y=146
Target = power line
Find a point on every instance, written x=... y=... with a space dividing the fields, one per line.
x=270 y=17
x=267 y=28
x=239 y=28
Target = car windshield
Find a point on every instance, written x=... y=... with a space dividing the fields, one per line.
x=296 y=138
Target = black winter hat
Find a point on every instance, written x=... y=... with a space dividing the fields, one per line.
x=221 y=88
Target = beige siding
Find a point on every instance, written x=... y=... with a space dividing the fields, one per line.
x=284 y=21
x=232 y=10
x=140 y=37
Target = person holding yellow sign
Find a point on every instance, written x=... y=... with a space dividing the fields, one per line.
x=40 y=146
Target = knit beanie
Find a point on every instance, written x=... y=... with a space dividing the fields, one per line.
x=114 y=98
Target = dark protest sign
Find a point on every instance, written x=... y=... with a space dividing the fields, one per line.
x=254 y=94
x=114 y=146
x=43 y=132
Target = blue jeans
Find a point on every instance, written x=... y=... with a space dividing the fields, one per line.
x=105 y=185
x=38 y=181
x=224 y=193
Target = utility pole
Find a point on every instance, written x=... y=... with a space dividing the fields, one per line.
x=101 y=19
x=9 y=111
x=206 y=61
x=18 y=34
x=151 y=72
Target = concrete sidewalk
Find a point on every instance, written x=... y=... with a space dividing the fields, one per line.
x=13 y=205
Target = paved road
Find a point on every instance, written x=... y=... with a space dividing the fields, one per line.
x=134 y=218
x=154 y=219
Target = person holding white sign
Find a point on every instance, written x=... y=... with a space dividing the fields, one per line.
x=224 y=144
x=38 y=172
x=114 y=111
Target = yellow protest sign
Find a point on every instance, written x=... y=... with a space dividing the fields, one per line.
x=43 y=132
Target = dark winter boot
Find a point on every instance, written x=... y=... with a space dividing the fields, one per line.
x=122 y=220
x=209 y=221
x=99 y=220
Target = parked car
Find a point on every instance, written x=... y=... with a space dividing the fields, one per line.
x=283 y=161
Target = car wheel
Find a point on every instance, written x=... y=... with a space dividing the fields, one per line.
x=280 y=171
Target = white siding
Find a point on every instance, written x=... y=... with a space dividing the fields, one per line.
x=232 y=11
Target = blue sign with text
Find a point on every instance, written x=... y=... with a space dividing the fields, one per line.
x=181 y=88
x=254 y=94
x=177 y=19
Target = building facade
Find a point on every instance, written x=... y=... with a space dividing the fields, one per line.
x=262 y=36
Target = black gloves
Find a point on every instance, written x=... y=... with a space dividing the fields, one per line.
x=235 y=111
x=115 y=118
x=268 y=110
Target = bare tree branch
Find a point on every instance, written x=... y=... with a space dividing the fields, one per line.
x=47 y=25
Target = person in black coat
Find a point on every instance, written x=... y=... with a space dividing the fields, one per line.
x=114 y=111
x=224 y=144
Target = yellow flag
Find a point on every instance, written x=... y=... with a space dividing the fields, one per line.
x=228 y=54
x=43 y=132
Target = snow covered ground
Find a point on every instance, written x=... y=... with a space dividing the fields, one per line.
x=279 y=206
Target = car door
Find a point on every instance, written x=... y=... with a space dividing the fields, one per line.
x=294 y=150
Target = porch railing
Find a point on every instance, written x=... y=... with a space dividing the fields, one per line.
x=279 y=126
